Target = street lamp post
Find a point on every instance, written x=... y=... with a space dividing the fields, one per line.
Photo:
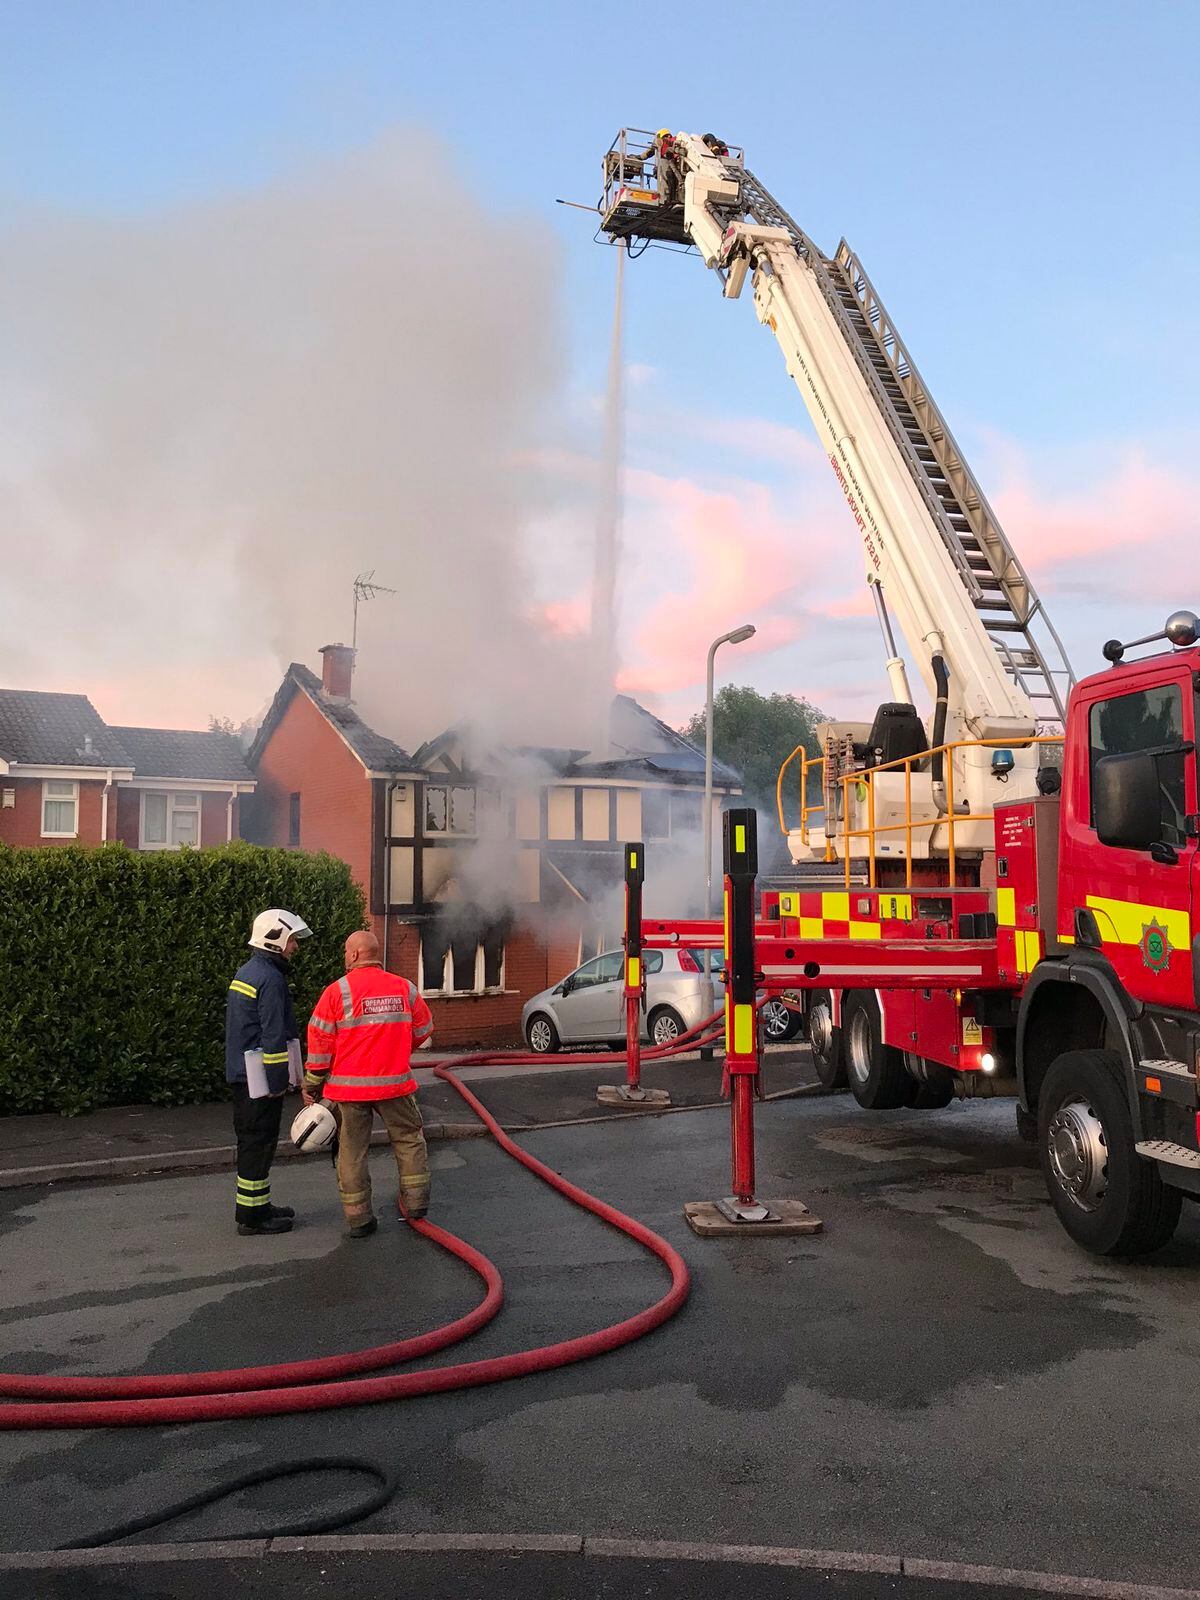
x=738 y=636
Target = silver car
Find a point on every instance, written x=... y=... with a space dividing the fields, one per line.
x=588 y=1006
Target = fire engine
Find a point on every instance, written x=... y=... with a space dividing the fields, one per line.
x=1008 y=901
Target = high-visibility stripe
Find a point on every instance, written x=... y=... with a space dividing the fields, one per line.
x=1029 y=949
x=811 y=928
x=346 y=1080
x=275 y=1058
x=739 y=838
x=247 y=989
x=743 y=1029
x=423 y=1032
x=866 y=930
x=347 y=998
x=244 y=1200
x=835 y=907
x=1006 y=908
x=1128 y=919
x=321 y=1024
x=633 y=977
x=896 y=907
x=254 y=1185
x=319 y=1061
x=355 y=1199
x=1066 y=938
x=378 y=1016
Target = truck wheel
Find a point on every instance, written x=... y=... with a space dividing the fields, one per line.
x=878 y=1078
x=1107 y=1197
x=932 y=1087
x=825 y=1041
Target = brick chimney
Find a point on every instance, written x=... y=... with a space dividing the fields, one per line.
x=337 y=670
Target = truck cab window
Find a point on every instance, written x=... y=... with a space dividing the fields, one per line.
x=1148 y=719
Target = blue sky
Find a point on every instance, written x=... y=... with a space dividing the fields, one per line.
x=1018 y=178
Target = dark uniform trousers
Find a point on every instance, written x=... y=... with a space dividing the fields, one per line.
x=256 y=1124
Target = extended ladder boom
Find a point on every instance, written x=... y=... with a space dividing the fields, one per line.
x=930 y=537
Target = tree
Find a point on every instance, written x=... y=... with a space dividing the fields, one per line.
x=222 y=725
x=756 y=733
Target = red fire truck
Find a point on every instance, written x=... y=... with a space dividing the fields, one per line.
x=1008 y=903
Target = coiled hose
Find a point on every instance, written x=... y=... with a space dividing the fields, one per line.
x=329 y=1381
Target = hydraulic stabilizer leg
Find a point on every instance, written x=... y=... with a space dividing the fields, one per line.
x=631 y=1091
x=742 y=1210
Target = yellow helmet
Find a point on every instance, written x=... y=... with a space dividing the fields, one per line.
x=663 y=133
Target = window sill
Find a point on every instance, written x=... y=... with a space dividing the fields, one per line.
x=441 y=995
x=69 y=836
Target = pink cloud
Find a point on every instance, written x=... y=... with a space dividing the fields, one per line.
x=1137 y=513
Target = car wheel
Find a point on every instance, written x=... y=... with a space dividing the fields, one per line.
x=541 y=1034
x=825 y=1041
x=665 y=1026
x=1107 y=1197
x=878 y=1078
x=780 y=1022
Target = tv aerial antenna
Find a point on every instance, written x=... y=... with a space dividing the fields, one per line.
x=365 y=588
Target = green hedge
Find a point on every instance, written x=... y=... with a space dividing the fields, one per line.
x=114 y=965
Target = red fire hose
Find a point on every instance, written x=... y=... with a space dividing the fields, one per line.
x=326 y=1382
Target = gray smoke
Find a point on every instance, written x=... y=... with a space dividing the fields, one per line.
x=213 y=418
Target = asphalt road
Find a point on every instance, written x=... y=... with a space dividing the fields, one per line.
x=940 y=1374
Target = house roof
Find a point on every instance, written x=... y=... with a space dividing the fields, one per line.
x=184 y=753
x=642 y=745
x=376 y=752
x=43 y=729
x=641 y=748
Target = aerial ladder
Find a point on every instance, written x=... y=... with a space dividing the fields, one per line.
x=938 y=562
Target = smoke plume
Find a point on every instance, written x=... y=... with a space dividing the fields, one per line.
x=211 y=419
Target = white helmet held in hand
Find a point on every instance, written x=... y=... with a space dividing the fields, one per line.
x=314 y=1128
x=273 y=929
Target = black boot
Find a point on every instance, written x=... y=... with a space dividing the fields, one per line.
x=276 y=1224
x=363 y=1230
x=279 y=1211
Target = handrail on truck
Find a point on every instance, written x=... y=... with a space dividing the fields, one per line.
x=845 y=835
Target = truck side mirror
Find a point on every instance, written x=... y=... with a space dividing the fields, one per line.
x=1126 y=801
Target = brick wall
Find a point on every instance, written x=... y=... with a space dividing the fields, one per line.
x=22 y=825
x=305 y=756
x=213 y=823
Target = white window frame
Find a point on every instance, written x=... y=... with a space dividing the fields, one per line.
x=60 y=799
x=173 y=796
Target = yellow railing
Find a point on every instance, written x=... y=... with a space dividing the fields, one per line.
x=848 y=837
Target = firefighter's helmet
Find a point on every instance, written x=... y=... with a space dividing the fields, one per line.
x=273 y=929
x=314 y=1128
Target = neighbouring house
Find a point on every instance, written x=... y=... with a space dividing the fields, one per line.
x=68 y=777
x=490 y=872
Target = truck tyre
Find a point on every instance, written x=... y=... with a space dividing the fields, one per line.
x=1027 y=1126
x=878 y=1078
x=933 y=1090
x=1107 y=1197
x=825 y=1041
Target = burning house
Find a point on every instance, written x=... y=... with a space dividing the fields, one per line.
x=490 y=869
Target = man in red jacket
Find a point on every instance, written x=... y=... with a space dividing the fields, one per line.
x=360 y=1039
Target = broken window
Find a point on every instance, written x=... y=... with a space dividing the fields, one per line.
x=462 y=954
x=450 y=808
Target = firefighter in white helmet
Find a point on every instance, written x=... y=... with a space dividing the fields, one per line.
x=262 y=1060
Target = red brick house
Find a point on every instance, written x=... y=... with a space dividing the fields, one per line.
x=489 y=874
x=67 y=777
